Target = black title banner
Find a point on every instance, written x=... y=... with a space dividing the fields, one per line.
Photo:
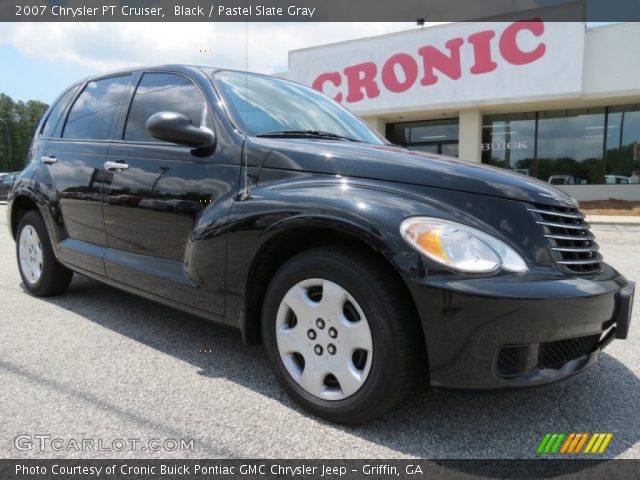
x=316 y=10
x=316 y=469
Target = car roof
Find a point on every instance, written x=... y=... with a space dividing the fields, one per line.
x=179 y=67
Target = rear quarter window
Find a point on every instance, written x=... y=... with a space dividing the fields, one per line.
x=56 y=112
x=95 y=108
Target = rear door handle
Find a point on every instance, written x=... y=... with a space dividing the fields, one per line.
x=50 y=160
x=115 y=166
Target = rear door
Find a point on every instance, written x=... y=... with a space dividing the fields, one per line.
x=76 y=161
x=152 y=204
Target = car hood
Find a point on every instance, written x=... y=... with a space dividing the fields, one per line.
x=398 y=164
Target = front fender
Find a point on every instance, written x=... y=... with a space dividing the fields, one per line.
x=372 y=211
x=365 y=210
x=282 y=202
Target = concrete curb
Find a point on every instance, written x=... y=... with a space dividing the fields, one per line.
x=613 y=220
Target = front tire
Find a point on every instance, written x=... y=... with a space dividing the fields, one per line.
x=341 y=334
x=42 y=275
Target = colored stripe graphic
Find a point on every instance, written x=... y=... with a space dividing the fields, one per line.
x=573 y=443
x=598 y=443
x=543 y=443
x=581 y=443
x=605 y=443
x=557 y=443
x=568 y=442
x=592 y=441
x=551 y=443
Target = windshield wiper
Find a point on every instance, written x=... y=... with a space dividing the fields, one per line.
x=306 y=133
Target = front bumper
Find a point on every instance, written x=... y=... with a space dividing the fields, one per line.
x=511 y=331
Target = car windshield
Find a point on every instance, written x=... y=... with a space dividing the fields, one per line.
x=266 y=106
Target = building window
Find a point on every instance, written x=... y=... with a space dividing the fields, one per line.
x=570 y=146
x=508 y=141
x=623 y=145
x=567 y=147
x=433 y=136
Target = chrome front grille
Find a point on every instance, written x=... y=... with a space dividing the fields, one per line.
x=572 y=244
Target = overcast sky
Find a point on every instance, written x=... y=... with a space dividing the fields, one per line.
x=40 y=59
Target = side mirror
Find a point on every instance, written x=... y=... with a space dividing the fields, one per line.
x=175 y=127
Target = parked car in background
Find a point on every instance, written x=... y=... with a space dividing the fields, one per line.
x=561 y=180
x=261 y=204
x=617 y=179
x=6 y=182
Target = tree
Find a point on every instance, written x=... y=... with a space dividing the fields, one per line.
x=18 y=122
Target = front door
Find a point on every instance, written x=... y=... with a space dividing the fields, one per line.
x=153 y=202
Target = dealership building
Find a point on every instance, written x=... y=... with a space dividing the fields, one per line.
x=556 y=101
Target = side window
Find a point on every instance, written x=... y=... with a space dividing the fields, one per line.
x=56 y=112
x=95 y=108
x=162 y=92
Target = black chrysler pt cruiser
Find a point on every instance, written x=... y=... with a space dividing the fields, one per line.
x=261 y=204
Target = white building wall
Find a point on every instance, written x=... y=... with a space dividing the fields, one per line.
x=470 y=136
x=377 y=123
x=610 y=64
x=602 y=192
x=612 y=61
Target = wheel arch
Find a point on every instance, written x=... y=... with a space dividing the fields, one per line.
x=20 y=205
x=292 y=240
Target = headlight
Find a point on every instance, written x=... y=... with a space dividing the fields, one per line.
x=459 y=247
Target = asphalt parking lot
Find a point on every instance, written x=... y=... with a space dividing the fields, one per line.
x=101 y=364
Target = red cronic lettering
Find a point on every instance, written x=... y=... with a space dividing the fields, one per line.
x=433 y=58
x=408 y=65
x=333 y=77
x=361 y=76
x=400 y=72
x=509 y=48
x=482 y=61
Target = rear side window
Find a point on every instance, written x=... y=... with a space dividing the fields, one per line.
x=56 y=112
x=162 y=92
x=94 y=110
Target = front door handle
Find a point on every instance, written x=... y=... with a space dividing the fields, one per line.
x=115 y=166
x=50 y=160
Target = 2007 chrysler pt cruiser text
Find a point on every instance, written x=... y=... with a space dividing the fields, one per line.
x=261 y=204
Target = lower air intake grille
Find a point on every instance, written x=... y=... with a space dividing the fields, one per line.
x=572 y=244
x=556 y=354
x=514 y=360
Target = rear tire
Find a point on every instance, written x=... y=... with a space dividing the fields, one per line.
x=42 y=275
x=341 y=334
